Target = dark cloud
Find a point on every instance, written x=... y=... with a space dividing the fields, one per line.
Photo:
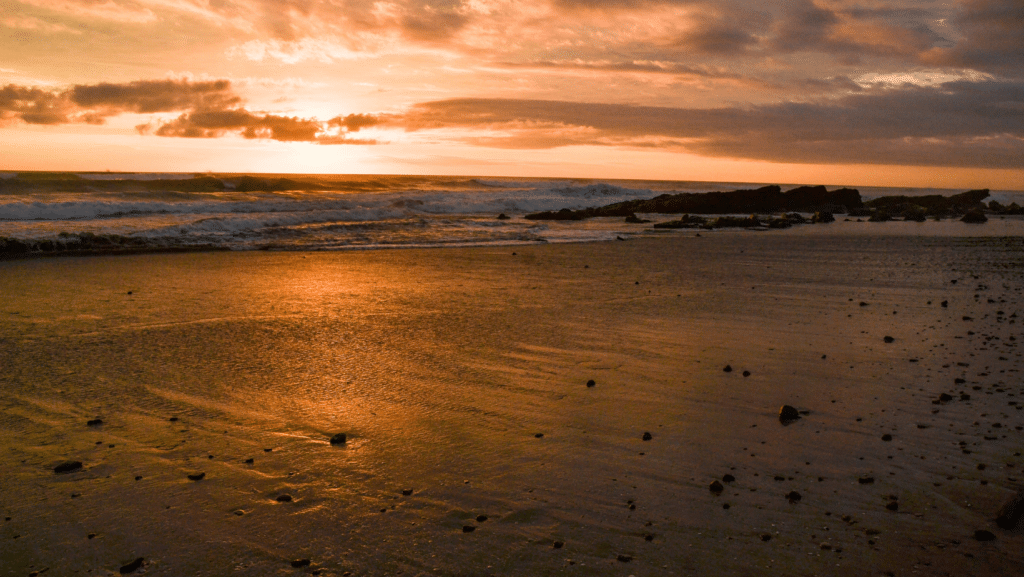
x=209 y=109
x=147 y=96
x=954 y=124
x=993 y=38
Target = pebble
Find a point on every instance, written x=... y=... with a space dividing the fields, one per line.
x=788 y=414
x=286 y=498
x=300 y=563
x=793 y=497
x=197 y=476
x=95 y=422
x=647 y=436
x=728 y=478
x=983 y=535
x=716 y=487
x=68 y=467
x=557 y=545
x=746 y=373
x=407 y=492
x=131 y=567
x=338 y=439
x=539 y=435
x=624 y=558
x=591 y=383
x=481 y=518
x=886 y=437
x=727 y=369
x=468 y=528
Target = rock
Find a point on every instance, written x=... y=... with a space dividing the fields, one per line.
x=591 y=383
x=716 y=487
x=983 y=535
x=468 y=528
x=1012 y=512
x=481 y=518
x=788 y=414
x=794 y=497
x=647 y=436
x=893 y=506
x=888 y=339
x=728 y=478
x=503 y=216
x=766 y=537
x=300 y=563
x=945 y=398
x=624 y=558
x=173 y=419
x=727 y=369
x=557 y=545
x=823 y=217
x=974 y=217
x=131 y=567
x=68 y=467
x=407 y=492
x=634 y=219
x=746 y=373
x=866 y=480
x=338 y=439
x=250 y=461
x=887 y=437
x=95 y=422
x=286 y=498
x=197 y=476
x=539 y=435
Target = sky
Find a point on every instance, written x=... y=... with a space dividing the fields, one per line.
x=858 y=92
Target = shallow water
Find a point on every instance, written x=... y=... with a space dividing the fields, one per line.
x=442 y=366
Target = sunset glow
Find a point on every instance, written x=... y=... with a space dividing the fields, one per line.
x=860 y=92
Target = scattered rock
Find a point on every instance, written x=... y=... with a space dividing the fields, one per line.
x=945 y=398
x=481 y=518
x=468 y=528
x=746 y=373
x=197 y=476
x=286 y=498
x=1012 y=512
x=766 y=537
x=647 y=436
x=300 y=563
x=788 y=414
x=173 y=419
x=728 y=478
x=407 y=492
x=794 y=497
x=250 y=461
x=624 y=558
x=591 y=383
x=983 y=535
x=727 y=369
x=893 y=506
x=539 y=435
x=974 y=216
x=716 y=487
x=95 y=422
x=68 y=467
x=131 y=567
x=887 y=437
x=503 y=216
x=866 y=480
x=557 y=545
x=888 y=339
x=338 y=439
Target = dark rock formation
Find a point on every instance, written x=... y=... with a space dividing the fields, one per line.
x=974 y=217
x=197 y=476
x=339 y=439
x=764 y=200
x=503 y=216
x=686 y=221
x=299 y=563
x=286 y=498
x=468 y=528
x=716 y=487
x=95 y=422
x=591 y=383
x=647 y=436
x=983 y=535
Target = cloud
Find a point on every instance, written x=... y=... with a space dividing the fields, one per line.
x=993 y=38
x=978 y=124
x=209 y=109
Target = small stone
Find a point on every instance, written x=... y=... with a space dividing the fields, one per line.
x=647 y=436
x=945 y=398
x=788 y=414
x=173 y=419
x=591 y=383
x=197 y=476
x=300 y=563
x=716 y=487
x=727 y=369
x=286 y=498
x=91 y=536
x=766 y=537
x=983 y=535
x=624 y=558
x=481 y=518
x=250 y=461
x=338 y=439
x=746 y=373
x=138 y=477
x=866 y=480
x=539 y=435
x=1011 y=512
x=131 y=567
x=893 y=506
x=728 y=478
x=468 y=528
x=95 y=422
x=888 y=339
x=407 y=492
x=825 y=547
x=887 y=437
x=68 y=467
x=557 y=545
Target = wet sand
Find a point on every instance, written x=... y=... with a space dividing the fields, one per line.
x=444 y=366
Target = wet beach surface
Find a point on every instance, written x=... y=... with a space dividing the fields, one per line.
x=460 y=379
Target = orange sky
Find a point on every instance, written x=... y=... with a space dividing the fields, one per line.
x=917 y=93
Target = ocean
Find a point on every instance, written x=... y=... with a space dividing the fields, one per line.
x=318 y=212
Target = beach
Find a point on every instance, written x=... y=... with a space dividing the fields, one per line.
x=474 y=445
